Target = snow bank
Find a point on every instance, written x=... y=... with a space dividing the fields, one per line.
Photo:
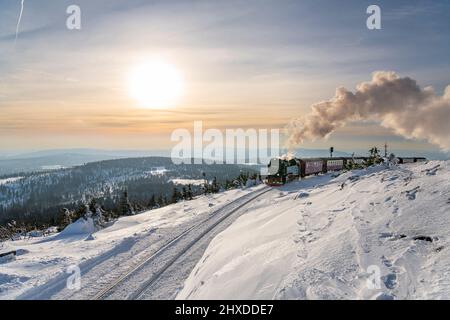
x=377 y=233
x=79 y=227
x=256 y=252
x=7 y=258
x=39 y=261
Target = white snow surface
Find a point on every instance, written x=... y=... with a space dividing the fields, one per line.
x=44 y=259
x=194 y=182
x=9 y=180
x=327 y=238
x=318 y=238
x=80 y=227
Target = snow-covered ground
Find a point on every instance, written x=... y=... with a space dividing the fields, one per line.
x=41 y=260
x=370 y=234
x=320 y=238
x=9 y=180
x=194 y=182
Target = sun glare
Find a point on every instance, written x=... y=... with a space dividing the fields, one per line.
x=156 y=84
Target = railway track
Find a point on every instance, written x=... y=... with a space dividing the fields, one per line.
x=168 y=254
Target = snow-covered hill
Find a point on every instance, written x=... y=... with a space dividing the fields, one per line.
x=101 y=256
x=327 y=238
x=319 y=238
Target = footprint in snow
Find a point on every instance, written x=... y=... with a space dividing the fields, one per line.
x=390 y=281
x=385 y=235
x=425 y=238
x=391 y=236
x=386 y=261
x=338 y=210
x=432 y=171
x=411 y=194
x=298 y=239
x=301 y=195
x=407 y=180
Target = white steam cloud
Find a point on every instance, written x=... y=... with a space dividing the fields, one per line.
x=22 y=3
x=398 y=103
x=287 y=156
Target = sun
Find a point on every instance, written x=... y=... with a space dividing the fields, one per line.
x=156 y=85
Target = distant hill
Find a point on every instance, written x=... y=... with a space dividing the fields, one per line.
x=63 y=158
x=86 y=152
x=41 y=196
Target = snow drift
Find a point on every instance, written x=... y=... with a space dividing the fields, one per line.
x=40 y=268
x=80 y=227
x=322 y=238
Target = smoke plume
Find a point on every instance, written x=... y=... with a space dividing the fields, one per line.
x=398 y=103
x=287 y=156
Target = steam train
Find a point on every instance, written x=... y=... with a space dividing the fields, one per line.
x=281 y=171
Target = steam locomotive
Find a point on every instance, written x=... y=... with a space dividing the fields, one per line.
x=281 y=171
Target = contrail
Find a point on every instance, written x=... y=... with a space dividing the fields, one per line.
x=18 y=21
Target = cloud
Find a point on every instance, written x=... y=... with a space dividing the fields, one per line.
x=397 y=102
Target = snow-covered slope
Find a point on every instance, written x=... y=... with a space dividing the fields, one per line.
x=379 y=233
x=319 y=238
x=114 y=249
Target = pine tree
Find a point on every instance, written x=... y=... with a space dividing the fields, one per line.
x=125 y=208
x=184 y=193
x=106 y=213
x=109 y=203
x=93 y=205
x=374 y=156
x=243 y=177
x=205 y=184
x=189 y=194
x=161 y=202
x=137 y=207
x=80 y=212
x=152 y=202
x=175 y=195
x=99 y=218
x=215 y=186
x=64 y=219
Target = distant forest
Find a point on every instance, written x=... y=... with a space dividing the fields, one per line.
x=39 y=198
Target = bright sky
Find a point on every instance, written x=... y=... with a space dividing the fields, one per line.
x=249 y=63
